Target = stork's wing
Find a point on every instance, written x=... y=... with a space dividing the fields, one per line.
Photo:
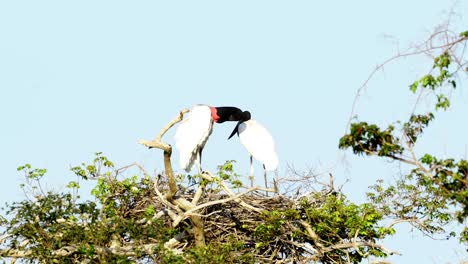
x=192 y=134
x=259 y=143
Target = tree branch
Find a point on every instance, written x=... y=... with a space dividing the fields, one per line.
x=360 y=244
x=158 y=143
x=209 y=177
x=129 y=250
x=181 y=202
x=425 y=48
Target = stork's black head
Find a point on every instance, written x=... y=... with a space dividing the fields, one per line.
x=226 y=113
x=244 y=116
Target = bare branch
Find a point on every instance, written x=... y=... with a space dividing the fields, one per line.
x=157 y=141
x=128 y=250
x=231 y=193
x=360 y=244
x=398 y=221
x=312 y=235
x=199 y=193
x=232 y=198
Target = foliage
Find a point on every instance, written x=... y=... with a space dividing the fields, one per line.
x=434 y=192
x=369 y=139
x=53 y=223
x=127 y=222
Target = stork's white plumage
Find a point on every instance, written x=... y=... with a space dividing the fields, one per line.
x=192 y=134
x=259 y=143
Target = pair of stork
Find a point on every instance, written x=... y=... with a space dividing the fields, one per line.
x=192 y=135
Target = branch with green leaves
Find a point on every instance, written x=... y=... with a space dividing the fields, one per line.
x=434 y=192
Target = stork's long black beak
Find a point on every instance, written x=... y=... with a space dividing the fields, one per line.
x=236 y=129
x=245 y=116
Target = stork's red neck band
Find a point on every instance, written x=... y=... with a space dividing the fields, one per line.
x=214 y=114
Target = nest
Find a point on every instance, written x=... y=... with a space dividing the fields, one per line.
x=227 y=216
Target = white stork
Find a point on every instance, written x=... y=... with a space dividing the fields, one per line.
x=259 y=143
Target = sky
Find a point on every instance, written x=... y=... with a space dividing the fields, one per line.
x=78 y=77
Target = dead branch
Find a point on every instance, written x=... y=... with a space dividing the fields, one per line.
x=354 y=245
x=231 y=198
x=312 y=235
x=181 y=202
x=158 y=143
x=128 y=250
x=208 y=176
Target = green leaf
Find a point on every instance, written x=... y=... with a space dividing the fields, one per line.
x=442 y=102
x=414 y=86
x=428 y=80
x=73 y=184
x=427 y=159
x=150 y=210
x=91 y=169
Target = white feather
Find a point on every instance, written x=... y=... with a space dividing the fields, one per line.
x=192 y=134
x=259 y=143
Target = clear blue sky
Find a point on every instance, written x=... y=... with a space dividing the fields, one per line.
x=78 y=77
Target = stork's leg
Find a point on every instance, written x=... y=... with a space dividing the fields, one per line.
x=199 y=157
x=251 y=176
x=265 y=178
x=275 y=185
